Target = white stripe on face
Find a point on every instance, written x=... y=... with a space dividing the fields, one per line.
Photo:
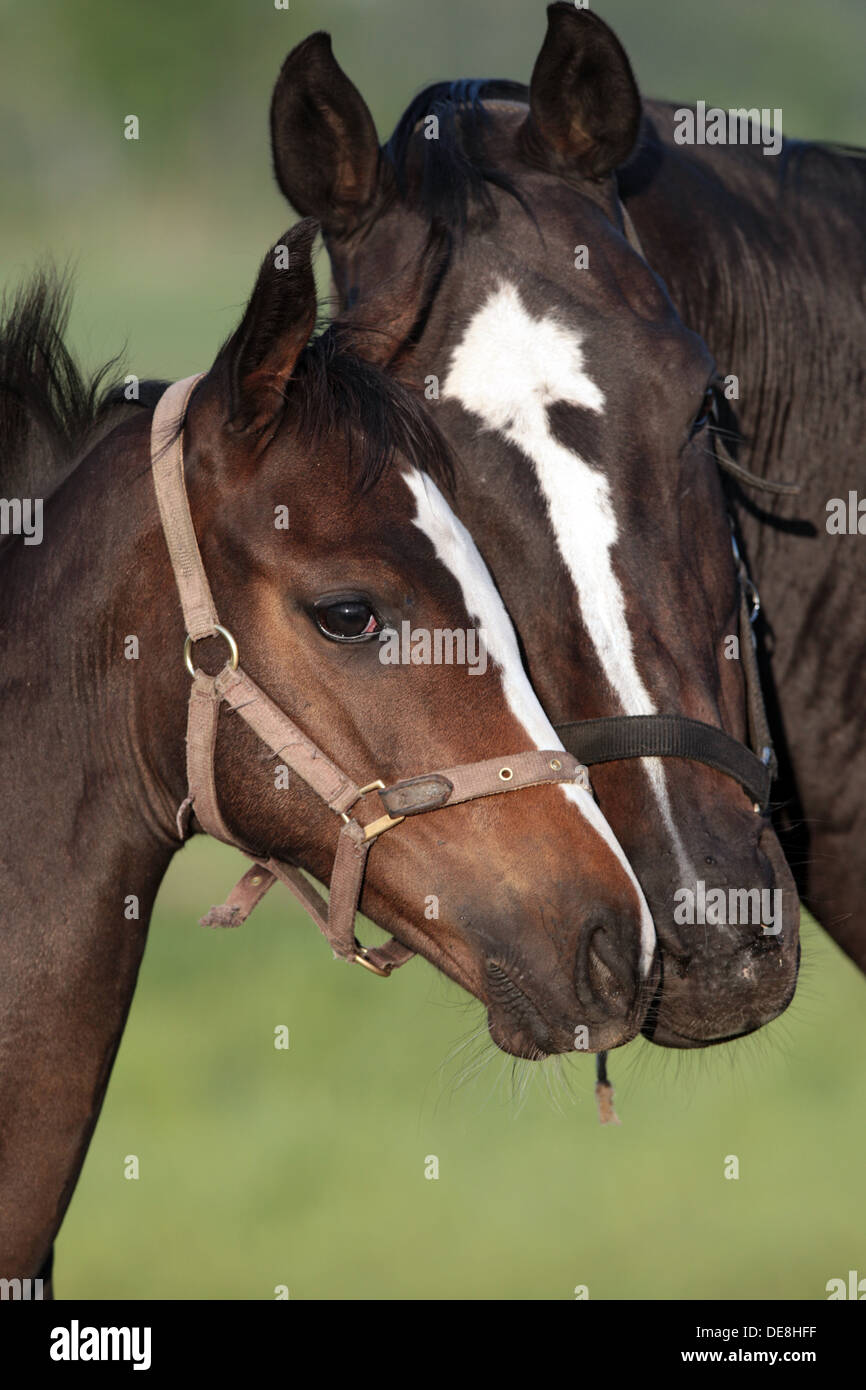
x=507 y=370
x=456 y=549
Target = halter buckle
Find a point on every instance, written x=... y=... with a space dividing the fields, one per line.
x=376 y=827
x=361 y=957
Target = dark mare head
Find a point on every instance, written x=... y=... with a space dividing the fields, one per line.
x=484 y=249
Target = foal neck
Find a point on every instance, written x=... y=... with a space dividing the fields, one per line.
x=93 y=781
x=87 y=822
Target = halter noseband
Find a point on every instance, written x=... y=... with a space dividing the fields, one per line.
x=618 y=737
x=450 y=787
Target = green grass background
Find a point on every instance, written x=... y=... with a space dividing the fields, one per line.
x=306 y=1167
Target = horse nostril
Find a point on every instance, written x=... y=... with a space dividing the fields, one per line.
x=764 y=943
x=601 y=978
x=606 y=971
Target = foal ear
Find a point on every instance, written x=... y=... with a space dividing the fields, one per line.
x=261 y=354
x=324 y=143
x=583 y=98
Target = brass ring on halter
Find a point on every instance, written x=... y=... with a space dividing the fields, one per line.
x=223 y=632
x=361 y=958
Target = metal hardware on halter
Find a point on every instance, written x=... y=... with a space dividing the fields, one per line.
x=376 y=827
x=223 y=632
x=746 y=582
x=362 y=957
x=334 y=787
x=377 y=786
x=753 y=597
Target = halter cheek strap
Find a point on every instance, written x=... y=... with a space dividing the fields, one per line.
x=619 y=737
x=334 y=787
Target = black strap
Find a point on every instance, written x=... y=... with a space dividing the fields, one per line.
x=669 y=736
x=759 y=726
x=729 y=464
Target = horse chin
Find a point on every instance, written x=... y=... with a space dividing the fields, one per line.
x=731 y=978
x=675 y=1021
x=531 y=1044
x=532 y=1038
x=682 y=1020
x=664 y=1036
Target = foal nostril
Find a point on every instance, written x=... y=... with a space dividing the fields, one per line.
x=606 y=970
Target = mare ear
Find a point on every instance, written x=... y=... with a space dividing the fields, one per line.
x=324 y=143
x=261 y=354
x=583 y=99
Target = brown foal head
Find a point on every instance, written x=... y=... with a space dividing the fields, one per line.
x=318 y=490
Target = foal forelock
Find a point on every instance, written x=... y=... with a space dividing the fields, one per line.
x=456 y=550
x=508 y=369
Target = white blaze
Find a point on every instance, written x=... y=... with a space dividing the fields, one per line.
x=507 y=370
x=456 y=549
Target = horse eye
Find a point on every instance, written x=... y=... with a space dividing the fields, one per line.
x=707 y=409
x=347 y=620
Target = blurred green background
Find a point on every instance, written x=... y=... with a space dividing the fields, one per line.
x=306 y=1167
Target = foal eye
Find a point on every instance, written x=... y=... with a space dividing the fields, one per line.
x=708 y=406
x=347 y=620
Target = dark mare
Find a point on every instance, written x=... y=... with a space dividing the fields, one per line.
x=485 y=250
x=765 y=257
x=538 y=913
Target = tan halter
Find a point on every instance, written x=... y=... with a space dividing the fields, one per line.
x=335 y=918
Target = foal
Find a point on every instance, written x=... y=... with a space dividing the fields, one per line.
x=317 y=491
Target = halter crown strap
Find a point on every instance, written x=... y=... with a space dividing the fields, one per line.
x=232 y=686
x=166 y=449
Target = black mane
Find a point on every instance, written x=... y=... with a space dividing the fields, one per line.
x=51 y=410
x=49 y=407
x=456 y=175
